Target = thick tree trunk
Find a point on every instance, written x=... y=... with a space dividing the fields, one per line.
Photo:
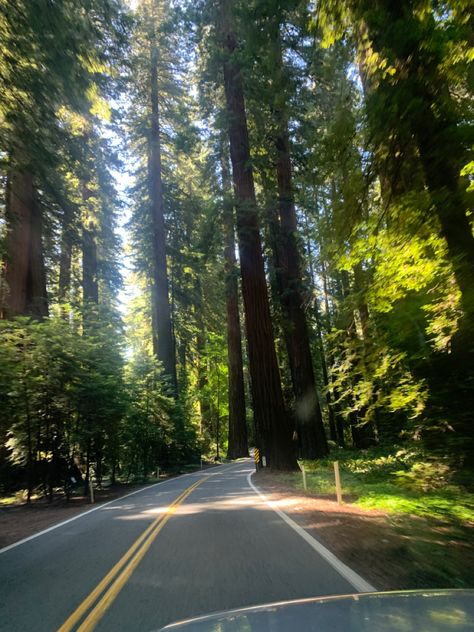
x=310 y=426
x=25 y=273
x=274 y=430
x=238 y=442
x=163 y=336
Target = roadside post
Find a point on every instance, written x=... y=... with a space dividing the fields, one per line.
x=256 y=456
x=303 y=472
x=91 y=491
x=337 y=476
x=157 y=472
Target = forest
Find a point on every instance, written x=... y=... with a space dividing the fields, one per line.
x=229 y=224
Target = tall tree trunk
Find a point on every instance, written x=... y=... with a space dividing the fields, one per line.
x=90 y=286
x=238 y=442
x=202 y=362
x=274 y=430
x=324 y=367
x=308 y=412
x=25 y=273
x=163 y=336
x=319 y=334
x=309 y=421
x=331 y=358
x=65 y=257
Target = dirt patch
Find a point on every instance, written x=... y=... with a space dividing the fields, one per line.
x=20 y=520
x=390 y=551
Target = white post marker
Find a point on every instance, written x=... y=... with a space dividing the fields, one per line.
x=158 y=472
x=91 y=491
x=338 y=483
x=264 y=461
x=303 y=471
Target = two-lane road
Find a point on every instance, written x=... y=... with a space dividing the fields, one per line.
x=191 y=545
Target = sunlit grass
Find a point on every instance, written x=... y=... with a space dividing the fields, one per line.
x=17 y=498
x=400 y=483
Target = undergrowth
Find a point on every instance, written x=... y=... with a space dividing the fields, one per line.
x=402 y=481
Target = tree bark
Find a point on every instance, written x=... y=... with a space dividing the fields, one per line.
x=90 y=286
x=65 y=257
x=202 y=363
x=308 y=411
x=274 y=430
x=329 y=403
x=25 y=273
x=163 y=336
x=333 y=428
x=238 y=442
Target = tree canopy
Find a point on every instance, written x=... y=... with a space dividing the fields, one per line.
x=228 y=223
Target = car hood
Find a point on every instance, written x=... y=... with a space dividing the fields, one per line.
x=405 y=611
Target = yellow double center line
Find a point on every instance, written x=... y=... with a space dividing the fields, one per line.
x=116 y=578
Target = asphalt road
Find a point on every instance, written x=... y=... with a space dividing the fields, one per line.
x=219 y=547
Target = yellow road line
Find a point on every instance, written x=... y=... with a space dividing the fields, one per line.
x=98 y=612
x=150 y=532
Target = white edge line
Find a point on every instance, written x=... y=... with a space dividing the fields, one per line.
x=101 y=506
x=351 y=576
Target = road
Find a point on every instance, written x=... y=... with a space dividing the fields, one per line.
x=219 y=546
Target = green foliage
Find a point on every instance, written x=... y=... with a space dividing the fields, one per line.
x=404 y=481
x=67 y=399
x=62 y=391
x=147 y=430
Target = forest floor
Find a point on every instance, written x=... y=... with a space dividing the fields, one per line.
x=391 y=550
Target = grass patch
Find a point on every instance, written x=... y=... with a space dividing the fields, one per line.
x=401 y=483
x=17 y=498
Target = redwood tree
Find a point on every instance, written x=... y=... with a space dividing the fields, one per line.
x=24 y=266
x=238 y=445
x=271 y=420
x=162 y=336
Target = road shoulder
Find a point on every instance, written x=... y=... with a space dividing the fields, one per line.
x=384 y=549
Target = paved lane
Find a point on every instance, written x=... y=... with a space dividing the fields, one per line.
x=221 y=548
